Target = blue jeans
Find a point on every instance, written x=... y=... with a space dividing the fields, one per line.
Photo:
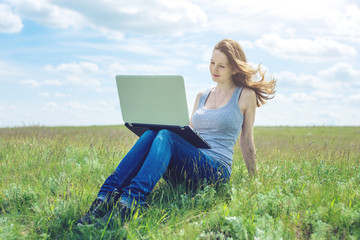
x=154 y=155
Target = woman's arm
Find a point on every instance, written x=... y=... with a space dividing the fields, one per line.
x=196 y=104
x=247 y=104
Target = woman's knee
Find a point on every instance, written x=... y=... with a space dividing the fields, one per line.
x=149 y=133
x=165 y=134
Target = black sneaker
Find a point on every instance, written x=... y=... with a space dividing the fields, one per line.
x=97 y=210
x=120 y=211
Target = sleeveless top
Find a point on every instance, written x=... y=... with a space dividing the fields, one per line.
x=219 y=127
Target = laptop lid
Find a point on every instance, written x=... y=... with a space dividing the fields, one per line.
x=153 y=99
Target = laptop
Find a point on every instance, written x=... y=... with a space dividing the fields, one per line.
x=155 y=102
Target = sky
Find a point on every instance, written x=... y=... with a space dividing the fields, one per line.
x=59 y=58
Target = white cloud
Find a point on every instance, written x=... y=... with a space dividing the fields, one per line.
x=245 y=44
x=305 y=49
x=52 y=82
x=10 y=71
x=331 y=18
x=292 y=80
x=339 y=78
x=324 y=96
x=301 y=97
x=345 y=23
x=44 y=94
x=342 y=72
x=82 y=73
x=31 y=83
x=51 y=105
x=9 y=22
x=138 y=46
x=48 y=14
x=74 y=68
x=35 y=83
x=306 y=109
x=111 y=34
x=60 y=95
x=204 y=67
x=355 y=99
x=129 y=67
x=113 y=17
x=6 y=108
x=76 y=106
x=117 y=68
x=83 y=81
x=338 y=19
x=2 y=106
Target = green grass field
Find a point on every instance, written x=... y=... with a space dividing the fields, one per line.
x=307 y=187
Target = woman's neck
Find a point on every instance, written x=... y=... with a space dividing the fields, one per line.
x=224 y=87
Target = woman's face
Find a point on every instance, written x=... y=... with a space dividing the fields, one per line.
x=220 y=68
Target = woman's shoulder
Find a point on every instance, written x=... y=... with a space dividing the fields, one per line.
x=198 y=96
x=248 y=93
x=247 y=98
x=203 y=92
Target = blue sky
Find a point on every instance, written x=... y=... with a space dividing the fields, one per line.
x=59 y=59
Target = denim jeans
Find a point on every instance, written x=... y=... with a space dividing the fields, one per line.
x=154 y=155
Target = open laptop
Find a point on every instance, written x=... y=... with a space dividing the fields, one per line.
x=156 y=102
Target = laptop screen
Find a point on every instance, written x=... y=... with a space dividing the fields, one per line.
x=153 y=99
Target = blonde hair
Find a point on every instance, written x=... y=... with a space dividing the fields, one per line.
x=245 y=75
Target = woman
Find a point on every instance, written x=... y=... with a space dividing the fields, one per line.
x=219 y=115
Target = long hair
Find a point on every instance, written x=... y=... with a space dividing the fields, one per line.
x=246 y=76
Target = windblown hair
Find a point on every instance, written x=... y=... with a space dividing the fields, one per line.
x=246 y=76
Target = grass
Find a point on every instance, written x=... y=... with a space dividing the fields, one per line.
x=307 y=187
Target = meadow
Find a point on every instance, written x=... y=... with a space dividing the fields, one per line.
x=307 y=187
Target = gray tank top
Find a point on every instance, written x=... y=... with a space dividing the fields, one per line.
x=219 y=127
